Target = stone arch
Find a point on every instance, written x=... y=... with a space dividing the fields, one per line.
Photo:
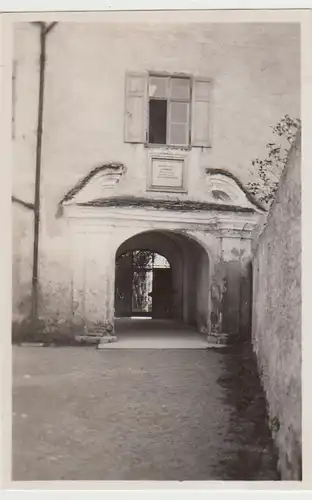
x=190 y=264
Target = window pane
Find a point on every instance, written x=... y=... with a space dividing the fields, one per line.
x=157 y=121
x=179 y=133
x=158 y=86
x=180 y=88
x=160 y=261
x=179 y=112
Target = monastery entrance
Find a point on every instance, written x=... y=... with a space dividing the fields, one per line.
x=185 y=263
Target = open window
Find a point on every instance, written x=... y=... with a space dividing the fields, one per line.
x=167 y=110
x=169 y=103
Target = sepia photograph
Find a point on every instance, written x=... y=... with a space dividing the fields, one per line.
x=156 y=250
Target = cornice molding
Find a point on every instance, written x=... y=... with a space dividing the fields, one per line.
x=95 y=219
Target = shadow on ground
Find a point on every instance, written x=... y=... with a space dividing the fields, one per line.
x=256 y=456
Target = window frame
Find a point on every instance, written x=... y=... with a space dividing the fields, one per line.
x=169 y=99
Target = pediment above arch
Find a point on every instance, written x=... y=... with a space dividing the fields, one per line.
x=99 y=183
x=224 y=193
x=224 y=188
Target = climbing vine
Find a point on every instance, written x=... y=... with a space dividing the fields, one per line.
x=269 y=169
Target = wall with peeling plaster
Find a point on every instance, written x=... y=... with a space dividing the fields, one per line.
x=255 y=70
x=25 y=88
x=22 y=248
x=276 y=326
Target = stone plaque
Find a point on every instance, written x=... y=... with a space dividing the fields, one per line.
x=167 y=174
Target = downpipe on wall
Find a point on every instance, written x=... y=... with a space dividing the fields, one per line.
x=45 y=29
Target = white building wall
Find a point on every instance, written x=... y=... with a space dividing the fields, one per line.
x=256 y=79
x=255 y=72
x=26 y=52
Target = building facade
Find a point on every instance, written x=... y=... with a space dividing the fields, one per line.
x=148 y=136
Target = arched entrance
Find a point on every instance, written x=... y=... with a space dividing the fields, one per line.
x=163 y=275
x=209 y=293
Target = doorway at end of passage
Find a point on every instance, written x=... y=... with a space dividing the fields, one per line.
x=143 y=285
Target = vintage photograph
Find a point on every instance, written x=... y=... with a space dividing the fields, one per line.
x=156 y=225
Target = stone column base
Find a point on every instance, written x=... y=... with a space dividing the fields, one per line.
x=98 y=334
x=95 y=339
x=88 y=339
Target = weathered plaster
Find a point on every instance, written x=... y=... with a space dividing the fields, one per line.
x=203 y=259
x=83 y=132
x=276 y=325
x=22 y=246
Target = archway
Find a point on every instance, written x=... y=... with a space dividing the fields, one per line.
x=171 y=272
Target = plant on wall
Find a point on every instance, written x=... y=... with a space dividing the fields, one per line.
x=269 y=169
x=139 y=258
x=142 y=258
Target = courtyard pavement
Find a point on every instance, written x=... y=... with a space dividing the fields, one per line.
x=155 y=334
x=138 y=414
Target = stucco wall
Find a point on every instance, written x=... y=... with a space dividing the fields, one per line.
x=22 y=249
x=276 y=325
x=256 y=79
x=25 y=110
x=26 y=52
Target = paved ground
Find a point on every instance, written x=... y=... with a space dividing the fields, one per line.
x=133 y=414
x=155 y=334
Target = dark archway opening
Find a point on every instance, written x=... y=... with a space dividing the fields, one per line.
x=143 y=286
x=168 y=272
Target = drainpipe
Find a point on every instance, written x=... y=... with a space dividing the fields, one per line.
x=44 y=30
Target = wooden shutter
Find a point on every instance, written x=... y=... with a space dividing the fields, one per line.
x=201 y=112
x=135 y=109
x=178 y=122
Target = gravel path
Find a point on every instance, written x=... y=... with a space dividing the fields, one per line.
x=83 y=414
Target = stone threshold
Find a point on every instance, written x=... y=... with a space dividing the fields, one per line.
x=213 y=341
x=95 y=339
